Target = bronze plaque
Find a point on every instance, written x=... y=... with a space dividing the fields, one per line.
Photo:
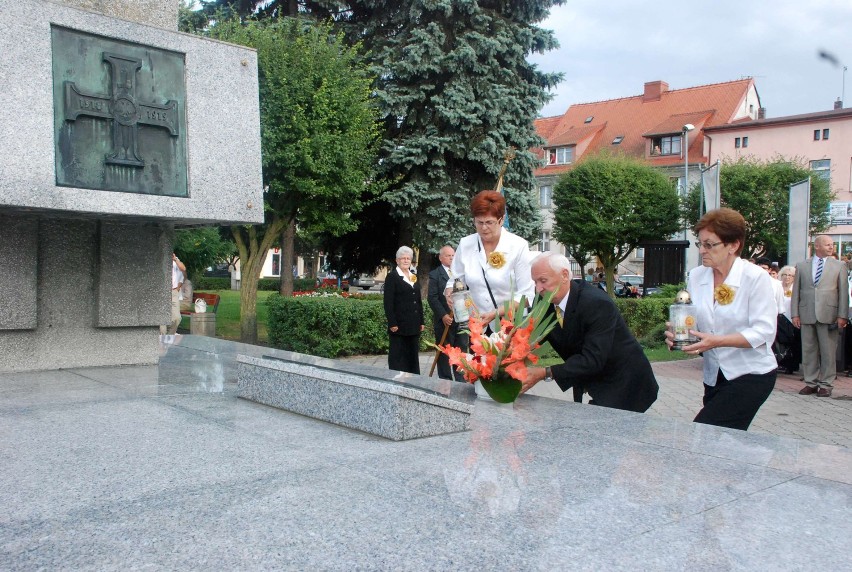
x=119 y=115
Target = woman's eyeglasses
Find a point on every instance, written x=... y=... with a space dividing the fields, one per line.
x=486 y=223
x=707 y=245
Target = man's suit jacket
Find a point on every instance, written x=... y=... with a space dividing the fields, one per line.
x=827 y=301
x=601 y=353
x=435 y=296
x=403 y=305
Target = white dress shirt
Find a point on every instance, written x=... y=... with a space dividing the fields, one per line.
x=753 y=313
x=470 y=262
x=778 y=293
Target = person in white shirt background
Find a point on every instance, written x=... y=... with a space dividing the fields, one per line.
x=736 y=317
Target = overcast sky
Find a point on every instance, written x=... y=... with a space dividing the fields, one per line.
x=609 y=49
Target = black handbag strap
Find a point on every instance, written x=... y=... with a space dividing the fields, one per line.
x=484 y=277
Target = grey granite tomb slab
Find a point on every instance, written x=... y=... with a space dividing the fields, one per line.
x=371 y=404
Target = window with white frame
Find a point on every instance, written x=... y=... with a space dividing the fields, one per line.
x=544 y=243
x=822 y=169
x=669 y=145
x=545 y=196
x=560 y=155
x=639 y=253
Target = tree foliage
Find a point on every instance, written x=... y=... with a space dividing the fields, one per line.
x=201 y=247
x=456 y=91
x=318 y=136
x=608 y=205
x=760 y=191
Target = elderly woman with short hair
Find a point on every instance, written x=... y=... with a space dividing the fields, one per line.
x=404 y=312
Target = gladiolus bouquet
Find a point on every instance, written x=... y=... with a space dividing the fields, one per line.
x=499 y=361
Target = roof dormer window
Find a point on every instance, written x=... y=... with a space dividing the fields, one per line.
x=618 y=139
x=589 y=119
x=668 y=145
x=560 y=155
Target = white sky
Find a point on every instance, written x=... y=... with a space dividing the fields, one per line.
x=609 y=49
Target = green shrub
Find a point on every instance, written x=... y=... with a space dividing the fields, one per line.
x=333 y=326
x=209 y=283
x=655 y=338
x=643 y=315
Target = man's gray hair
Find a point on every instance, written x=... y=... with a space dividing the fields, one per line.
x=404 y=250
x=558 y=262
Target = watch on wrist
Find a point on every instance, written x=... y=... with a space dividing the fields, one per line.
x=548 y=374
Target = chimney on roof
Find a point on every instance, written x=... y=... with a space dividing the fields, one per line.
x=654 y=90
x=838 y=104
x=761 y=113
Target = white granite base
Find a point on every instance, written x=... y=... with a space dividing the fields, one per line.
x=378 y=406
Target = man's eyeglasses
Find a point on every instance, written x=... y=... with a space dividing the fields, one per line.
x=486 y=223
x=707 y=245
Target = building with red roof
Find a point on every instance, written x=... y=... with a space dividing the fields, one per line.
x=648 y=126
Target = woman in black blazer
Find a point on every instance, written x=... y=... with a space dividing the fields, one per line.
x=404 y=311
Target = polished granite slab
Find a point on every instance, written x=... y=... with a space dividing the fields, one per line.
x=374 y=404
x=165 y=468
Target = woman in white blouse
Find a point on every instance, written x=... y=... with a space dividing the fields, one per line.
x=736 y=317
x=493 y=261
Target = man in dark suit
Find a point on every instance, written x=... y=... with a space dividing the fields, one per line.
x=602 y=357
x=820 y=306
x=441 y=316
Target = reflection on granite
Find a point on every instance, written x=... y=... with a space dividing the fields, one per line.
x=107 y=468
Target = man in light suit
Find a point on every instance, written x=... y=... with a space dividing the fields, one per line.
x=820 y=306
x=602 y=357
x=441 y=316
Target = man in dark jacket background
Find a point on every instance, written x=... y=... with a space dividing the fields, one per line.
x=602 y=357
x=441 y=316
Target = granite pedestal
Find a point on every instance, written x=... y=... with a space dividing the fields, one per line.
x=202 y=324
x=165 y=468
x=374 y=404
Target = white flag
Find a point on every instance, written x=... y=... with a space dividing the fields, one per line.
x=799 y=215
x=710 y=188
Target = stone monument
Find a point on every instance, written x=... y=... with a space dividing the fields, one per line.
x=117 y=129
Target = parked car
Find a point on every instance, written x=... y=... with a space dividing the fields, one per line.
x=638 y=281
x=363 y=281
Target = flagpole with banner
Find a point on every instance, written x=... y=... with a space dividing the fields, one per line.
x=799 y=216
x=710 y=192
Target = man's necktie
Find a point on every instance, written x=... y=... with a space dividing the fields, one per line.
x=559 y=315
x=819 y=271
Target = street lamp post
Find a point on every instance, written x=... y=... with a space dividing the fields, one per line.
x=686 y=129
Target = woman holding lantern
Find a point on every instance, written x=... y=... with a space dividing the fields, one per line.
x=735 y=313
x=493 y=262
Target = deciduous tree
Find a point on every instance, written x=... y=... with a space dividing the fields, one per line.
x=760 y=191
x=318 y=135
x=608 y=205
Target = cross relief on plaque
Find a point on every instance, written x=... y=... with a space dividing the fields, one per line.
x=122 y=107
x=119 y=115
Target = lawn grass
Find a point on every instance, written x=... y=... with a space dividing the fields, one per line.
x=228 y=315
x=228 y=327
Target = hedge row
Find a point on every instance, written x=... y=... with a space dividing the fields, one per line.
x=270 y=284
x=333 y=327
x=336 y=327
